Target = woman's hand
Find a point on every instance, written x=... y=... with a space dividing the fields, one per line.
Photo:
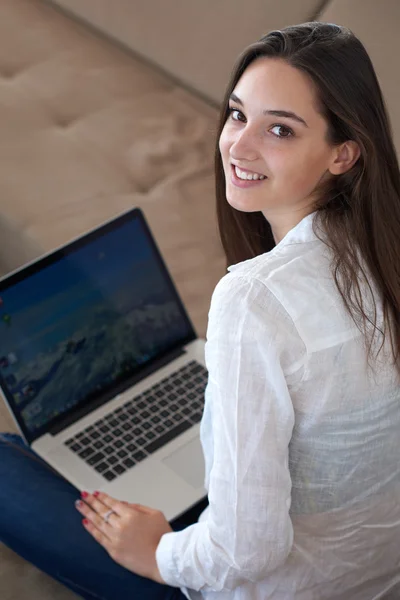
x=130 y=533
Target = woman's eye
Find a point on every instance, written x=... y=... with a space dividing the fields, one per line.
x=282 y=131
x=236 y=115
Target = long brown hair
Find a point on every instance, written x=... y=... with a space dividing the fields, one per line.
x=358 y=211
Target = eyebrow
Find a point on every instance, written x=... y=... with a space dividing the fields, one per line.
x=277 y=113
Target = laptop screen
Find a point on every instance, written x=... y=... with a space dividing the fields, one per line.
x=84 y=321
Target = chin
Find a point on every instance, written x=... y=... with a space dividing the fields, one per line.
x=244 y=204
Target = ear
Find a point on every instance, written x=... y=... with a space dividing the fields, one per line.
x=346 y=155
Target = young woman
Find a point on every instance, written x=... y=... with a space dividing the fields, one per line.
x=301 y=424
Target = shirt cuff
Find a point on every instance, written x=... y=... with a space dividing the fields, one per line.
x=165 y=558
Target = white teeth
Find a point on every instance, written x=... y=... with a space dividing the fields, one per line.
x=247 y=176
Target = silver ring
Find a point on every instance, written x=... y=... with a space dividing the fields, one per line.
x=108 y=514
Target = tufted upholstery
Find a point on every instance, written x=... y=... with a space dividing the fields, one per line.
x=88 y=131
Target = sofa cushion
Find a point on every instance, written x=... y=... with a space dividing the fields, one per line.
x=196 y=42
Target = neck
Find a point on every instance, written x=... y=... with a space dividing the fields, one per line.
x=282 y=222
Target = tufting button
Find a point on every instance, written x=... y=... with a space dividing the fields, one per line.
x=8 y=74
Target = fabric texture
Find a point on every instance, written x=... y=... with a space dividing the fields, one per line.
x=300 y=439
x=38 y=520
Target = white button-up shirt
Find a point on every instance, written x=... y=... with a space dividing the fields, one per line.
x=301 y=442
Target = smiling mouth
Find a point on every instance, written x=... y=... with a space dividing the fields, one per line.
x=247 y=175
x=245 y=179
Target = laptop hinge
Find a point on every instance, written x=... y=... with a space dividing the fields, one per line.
x=82 y=411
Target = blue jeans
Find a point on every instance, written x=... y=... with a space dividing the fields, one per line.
x=39 y=522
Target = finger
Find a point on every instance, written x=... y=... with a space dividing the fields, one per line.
x=99 y=504
x=98 y=535
x=109 y=502
x=95 y=519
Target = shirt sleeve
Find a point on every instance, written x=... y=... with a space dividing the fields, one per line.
x=252 y=350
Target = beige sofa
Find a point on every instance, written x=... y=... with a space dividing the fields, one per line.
x=108 y=105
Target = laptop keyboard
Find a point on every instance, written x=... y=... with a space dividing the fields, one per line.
x=144 y=424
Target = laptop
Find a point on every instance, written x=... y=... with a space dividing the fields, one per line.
x=102 y=370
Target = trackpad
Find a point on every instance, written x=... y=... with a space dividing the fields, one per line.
x=188 y=463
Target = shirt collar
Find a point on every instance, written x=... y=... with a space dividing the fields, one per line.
x=301 y=233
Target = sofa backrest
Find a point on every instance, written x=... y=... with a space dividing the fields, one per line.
x=376 y=24
x=196 y=42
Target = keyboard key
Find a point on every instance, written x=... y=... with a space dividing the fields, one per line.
x=126 y=426
x=118 y=443
x=99 y=444
x=164 y=413
x=145 y=414
x=75 y=447
x=141 y=404
x=85 y=441
x=95 y=458
x=128 y=437
x=113 y=423
x=163 y=402
x=104 y=429
x=108 y=438
x=146 y=425
x=168 y=436
x=159 y=393
x=141 y=441
x=177 y=417
x=119 y=469
x=101 y=467
x=108 y=449
x=150 y=435
x=197 y=416
x=112 y=460
x=155 y=419
x=117 y=432
x=86 y=452
x=154 y=408
x=186 y=410
x=131 y=447
x=168 y=423
x=109 y=475
x=173 y=407
x=122 y=453
x=160 y=429
x=135 y=420
x=95 y=435
x=172 y=396
x=128 y=462
x=123 y=417
x=139 y=455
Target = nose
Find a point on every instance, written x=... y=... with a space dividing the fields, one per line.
x=245 y=144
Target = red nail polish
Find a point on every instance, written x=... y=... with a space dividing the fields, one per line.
x=85 y=521
x=84 y=494
x=96 y=493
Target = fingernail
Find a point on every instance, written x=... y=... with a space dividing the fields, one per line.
x=78 y=504
x=84 y=494
x=96 y=493
x=85 y=521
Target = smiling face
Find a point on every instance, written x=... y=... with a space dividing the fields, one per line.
x=274 y=145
